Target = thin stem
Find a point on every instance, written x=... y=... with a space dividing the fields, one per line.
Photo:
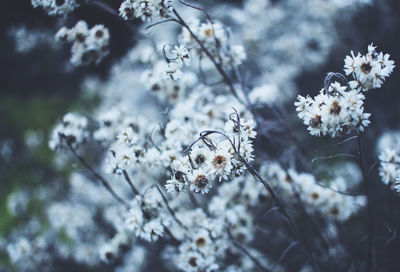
x=103 y=181
x=292 y=245
x=169 y=207
x=246 y=252
x=112 y=12
x=334 y=156
x=161 y=22
x=369 y=207
x=218 y=66
x=282 y=210
x=128 y=179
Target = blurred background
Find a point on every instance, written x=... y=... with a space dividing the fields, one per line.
x=38 y=85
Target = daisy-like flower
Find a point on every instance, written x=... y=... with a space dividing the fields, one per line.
x=396 y=185
x=370 y=70
x=202 y=241
x=209 y=32
x=182 y=54
x=89 y=45
x=246 y=129
x=152 y=230
x=238 y=54
x=127 y=136
x=200 y=181
x=134 y=218
x=146 y=10
x=302 y=105
x=174 y=186
x=72 y=130
x=200 y=156
x=191 y=261
x=127 y=10
x=390 y=166
x=220 y=163
x=337 y=113
x=56 y=7
x=172 y=71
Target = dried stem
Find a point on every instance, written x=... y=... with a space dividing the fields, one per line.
x=128 y=179
x=218 y=66
x=246 y=252
x=103 y=181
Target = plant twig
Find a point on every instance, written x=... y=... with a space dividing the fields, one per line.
x=103 y=181
x=128 y=179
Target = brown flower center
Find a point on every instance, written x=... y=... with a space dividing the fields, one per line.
x=200 y=242
x=335 y=108
x=193 y=261
x=219 y=161
x=314 y=196
x=201 y=181
x=208 y=32
x=316 y=121
x=334 y=211
x=366 y=68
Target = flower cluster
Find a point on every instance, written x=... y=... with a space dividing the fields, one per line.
x=333 y=113
x=369 y=71
x=389 y=157
x=215 y=38
x=338 y=110
x=390 y=168
x=57 y=7
x=124 y=153
x=71 y=131
x=88 y=45
x=146 y=217
x=330 y=201
x=23 y=252
x=207 y=239
x=183 y=144
x=146 y=10
x=215 y=158
x=164 y=76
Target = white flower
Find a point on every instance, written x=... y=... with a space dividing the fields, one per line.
x=181 y=54
x=146 y=10
x=238 y=54
x=56 y=7
x=267 y=94
x=171 y=71
x=152 y=231
x=134 y=218
x=370 y=70
x=89 y=45
x=200 y=156
x=335 y=114
x=72 y=131
x=200 y=181
x=390 y=166
x=220 y=163
x=108 y=253
x=127 y=136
